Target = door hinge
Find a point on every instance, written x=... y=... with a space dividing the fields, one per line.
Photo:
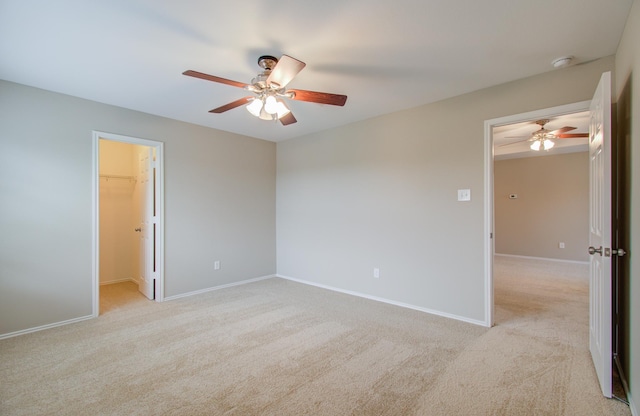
x=618 y=252
x=608 y=252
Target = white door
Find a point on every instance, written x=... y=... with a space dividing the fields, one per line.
x=600 y=313
x=147 y=225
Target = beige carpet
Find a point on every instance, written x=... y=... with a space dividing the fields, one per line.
x=277 y=347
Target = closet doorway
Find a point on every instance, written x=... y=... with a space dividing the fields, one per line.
x=128 y=220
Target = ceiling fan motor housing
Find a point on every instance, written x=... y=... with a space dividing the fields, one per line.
x=267 y=62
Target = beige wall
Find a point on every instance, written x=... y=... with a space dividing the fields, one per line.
x=219 y=204
x=382 y=193
x=552 y=206
x=628 y=85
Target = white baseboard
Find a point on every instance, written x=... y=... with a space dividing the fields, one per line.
x=541 y=258
x=84 y=318
x=111 y=282
x=209 y=289
x=632 y=406
x=43 y=327
x=389 y=301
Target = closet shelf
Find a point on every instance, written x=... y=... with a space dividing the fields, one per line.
x=119 y=177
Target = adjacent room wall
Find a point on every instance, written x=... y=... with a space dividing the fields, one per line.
x=219 y=204
x=382 y=193
x=552 y=206
x=627 y=68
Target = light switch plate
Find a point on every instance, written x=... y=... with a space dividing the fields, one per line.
x=464 y=194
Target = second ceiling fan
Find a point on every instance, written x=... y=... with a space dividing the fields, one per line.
x=269 y=90
x=542 y=139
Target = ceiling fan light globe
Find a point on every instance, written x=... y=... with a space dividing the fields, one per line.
x=535 y=145
x=548 y=144
x=255 y=106
x=266 y=116
x=271 y=105
x=282 y=109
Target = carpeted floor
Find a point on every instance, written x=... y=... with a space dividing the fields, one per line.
x=277 y=347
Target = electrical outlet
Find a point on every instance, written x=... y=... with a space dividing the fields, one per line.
x=376 y=272
x=216 y=265
x=561 y=245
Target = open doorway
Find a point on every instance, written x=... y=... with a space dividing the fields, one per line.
x=541 y=222
x=128 y=234
x=522 y=120
x=600 y=223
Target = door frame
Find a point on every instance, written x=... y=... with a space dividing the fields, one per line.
x=95 y=176
x=489 y=219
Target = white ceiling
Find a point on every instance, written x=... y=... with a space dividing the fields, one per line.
x=386 y=56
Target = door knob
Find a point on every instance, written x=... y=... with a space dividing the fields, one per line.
x=138 y=230
x=593 y=250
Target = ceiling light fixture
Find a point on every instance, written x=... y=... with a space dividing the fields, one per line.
x=543 y=137
x=562 y=61
x=268 y=107
x=543 y=141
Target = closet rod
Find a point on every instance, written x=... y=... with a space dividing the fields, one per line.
x=107 y=177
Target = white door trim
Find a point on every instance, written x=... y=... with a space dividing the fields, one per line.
x=489 y=247
x=95 y=221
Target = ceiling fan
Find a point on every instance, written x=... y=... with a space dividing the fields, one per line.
x=269 y=89
x=543 y=138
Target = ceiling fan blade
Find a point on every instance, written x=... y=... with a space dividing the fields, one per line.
x=509 y=144
x=562 y=130
x=318 y=97
x=286 y=69
x=213 y=78
x=288 y=119
x=232 y=105
x=572 y=135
